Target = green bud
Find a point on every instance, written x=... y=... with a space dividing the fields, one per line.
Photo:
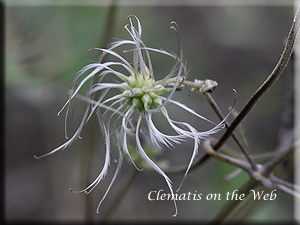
x=147 y=100
x=152 y=95
x=157 y=102
x=127 y=93
x=137 y=103
x=160 y=89
x=138 y=92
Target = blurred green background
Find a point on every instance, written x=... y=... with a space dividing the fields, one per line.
x=237 y=46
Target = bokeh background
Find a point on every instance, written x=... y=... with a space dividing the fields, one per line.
x=45 y=45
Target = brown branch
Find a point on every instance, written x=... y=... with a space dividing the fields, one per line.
x=273 y=77
x=219 y=113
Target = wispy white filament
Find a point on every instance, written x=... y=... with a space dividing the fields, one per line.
x=150 y=162
x=138 y=93
x=158 y=137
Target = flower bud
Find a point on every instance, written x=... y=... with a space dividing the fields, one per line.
x=147 y=100
x=157 y=102
x=137 y=92
x=137 y=103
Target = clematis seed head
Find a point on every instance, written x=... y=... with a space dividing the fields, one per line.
x=140 y=95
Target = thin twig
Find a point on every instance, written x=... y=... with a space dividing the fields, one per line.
x=224 y=148
x=287 y=191
x=263 y=174
x=278 y=70
x=240 y=131
x=273 y=77
x=284 y=182
x=208 y=147
x=278 y=159
x=219 y=113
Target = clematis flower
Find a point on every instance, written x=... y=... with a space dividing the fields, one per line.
x=139 y=96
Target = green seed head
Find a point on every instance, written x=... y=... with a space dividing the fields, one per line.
x=145 y=93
